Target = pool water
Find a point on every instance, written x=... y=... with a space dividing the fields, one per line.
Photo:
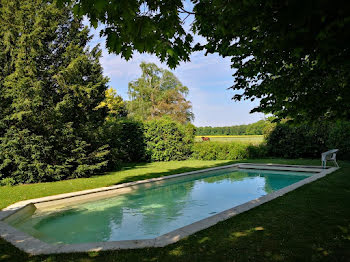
x=151 y=211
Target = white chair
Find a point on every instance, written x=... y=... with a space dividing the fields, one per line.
x=329 y=155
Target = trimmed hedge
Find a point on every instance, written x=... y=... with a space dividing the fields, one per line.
x=168 y=140
x=339 y=137
x=309 y=141
x=227 y=151
x=126 y=141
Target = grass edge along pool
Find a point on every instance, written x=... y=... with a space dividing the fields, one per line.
x=197 y=224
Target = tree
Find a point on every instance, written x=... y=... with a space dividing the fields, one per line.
x=50 y=87
x=293 y=55
x=114 y=103
x=157 y=93
x=146 y=26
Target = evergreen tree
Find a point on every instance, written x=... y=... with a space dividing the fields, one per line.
x=50 y=87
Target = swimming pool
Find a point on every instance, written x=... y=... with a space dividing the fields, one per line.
x=148 y=212
x=153 y=209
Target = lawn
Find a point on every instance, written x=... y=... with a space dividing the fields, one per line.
x=251 y=139
x=311 y=223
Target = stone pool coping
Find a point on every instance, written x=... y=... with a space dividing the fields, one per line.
x=34 y=246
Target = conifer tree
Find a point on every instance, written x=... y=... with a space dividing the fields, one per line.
x=51 y=84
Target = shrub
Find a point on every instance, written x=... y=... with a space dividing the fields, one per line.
x=226 y=151
x=288 y=141
x=257 y=151
x=309 y=140
x=126 y=141
x=29 y=158
x=8 y=181
x=168 y=140
x=339 y=137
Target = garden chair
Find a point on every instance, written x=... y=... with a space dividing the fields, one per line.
x=329 y=155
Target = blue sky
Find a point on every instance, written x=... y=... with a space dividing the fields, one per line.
x=207 y=78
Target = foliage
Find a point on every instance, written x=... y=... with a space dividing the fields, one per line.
x=339 y=137
x=158 y=93
x=226 y=151
x=247 y=139
x=259 y=128
x=144 y=26
x=257 y=151
x=126 y=140
x=168 y=140
x=293 y=55
x=295 y=141
x=114 y=103
x=292 y=142
x=219 y=151
x=50 y=87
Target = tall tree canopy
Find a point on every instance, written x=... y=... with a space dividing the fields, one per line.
x=152 y=26
x=157 y=93
x=293 y=55
x=50 y=87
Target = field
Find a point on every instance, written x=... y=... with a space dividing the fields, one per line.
x=252 y=139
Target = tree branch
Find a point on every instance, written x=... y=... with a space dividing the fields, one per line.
x=185 y=11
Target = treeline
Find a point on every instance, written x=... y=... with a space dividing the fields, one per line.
x=258 y=128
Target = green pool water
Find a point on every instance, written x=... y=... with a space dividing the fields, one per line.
x=157 y=209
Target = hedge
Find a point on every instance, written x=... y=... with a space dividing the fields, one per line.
x=168 y=140
x=126 y=141
x=309 y=140
x=227 y=151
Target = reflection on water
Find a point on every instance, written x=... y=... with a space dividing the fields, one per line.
x=158 y=209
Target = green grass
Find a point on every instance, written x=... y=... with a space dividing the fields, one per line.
x=254 y=139
x=311 y=223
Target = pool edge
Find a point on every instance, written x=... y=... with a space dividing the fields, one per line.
x=34 y=246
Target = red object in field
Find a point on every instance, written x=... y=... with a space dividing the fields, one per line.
x=205 y=138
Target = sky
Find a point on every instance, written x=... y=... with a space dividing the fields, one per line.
x=207 y=78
